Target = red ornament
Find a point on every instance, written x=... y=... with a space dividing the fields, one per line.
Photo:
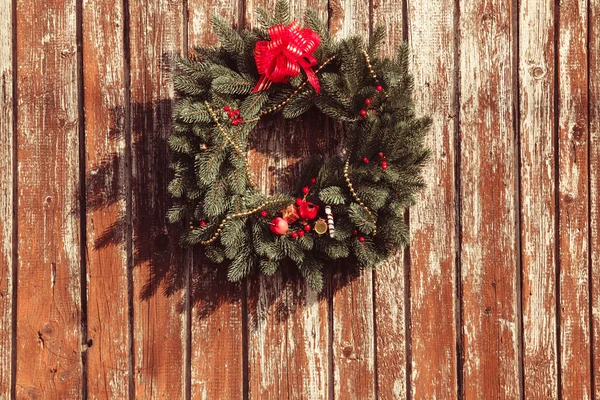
x=379 y=88
x=226 y=108
x=263 y=213
x=361 y=239
x=365 y=160
x=307 y=228
x=308 y=210
x=301 y=233
x=363 y=113
x=290 y=49
x=367 y=101
x=305 y=190
x=279 y=226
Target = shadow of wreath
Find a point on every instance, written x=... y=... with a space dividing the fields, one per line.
x=155 y=244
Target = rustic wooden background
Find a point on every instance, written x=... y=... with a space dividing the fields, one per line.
x=497 y=297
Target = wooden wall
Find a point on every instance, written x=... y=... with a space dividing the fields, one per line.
x=497 y=297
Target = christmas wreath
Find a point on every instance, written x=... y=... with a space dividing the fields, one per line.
x=349 y=206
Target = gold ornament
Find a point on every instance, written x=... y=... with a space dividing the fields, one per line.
x=320 y=226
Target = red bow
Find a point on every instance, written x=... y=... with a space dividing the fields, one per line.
x=289 y=49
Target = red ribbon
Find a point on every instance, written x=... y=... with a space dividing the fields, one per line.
x=289 y=49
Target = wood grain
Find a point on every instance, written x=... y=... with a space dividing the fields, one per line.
x=538 y=191
x=48 y=327
x=217 y=334
x=573 y=200
x=6 y=197
x=353 y=311
x=594 y=165
x=156 y=33
x=488 y=213
x=431 y=36
x=106 y=177
x=287 y=321
x=389 y=277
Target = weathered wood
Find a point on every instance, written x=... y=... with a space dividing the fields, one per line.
x=6 y=196
x=217 y=345
x=353 y=318
x=156 y=33
x=488 y=214
x=48 y=327
x=573 y=199
x=594 y=165
x=106 y=177
x=389 y=278
x=433 y=301
x=287 y=321
x=538 y=191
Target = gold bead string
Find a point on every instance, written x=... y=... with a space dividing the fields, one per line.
x=372 y=72
x=283 y=103
x=233 y=143
x=355 y=195
x=233 y=216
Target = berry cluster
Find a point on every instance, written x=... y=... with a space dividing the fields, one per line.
x=234 y=115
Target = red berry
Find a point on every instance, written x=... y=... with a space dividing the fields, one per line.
x=263 y=213
x=226 y=108
x=294 y=235
x=367 y=101
x=365 y=160
x=381 y=155
x=230 y=114
x=307 y=228
x=236 y=112
x=305 y=190
x=202 y=223
x=298 y=202
x=363 y=113
x=301 y=233
x=379 y=88
x=235 y=122
x=361 y=239
x=355 y=232
x=384 y=165
x=313 y=180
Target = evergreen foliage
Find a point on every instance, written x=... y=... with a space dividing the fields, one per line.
x=210 y=183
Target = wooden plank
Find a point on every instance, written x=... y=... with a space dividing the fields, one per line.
x=106 y=169
x=353 y=319
x=156 y=34
x=48 y=327
x=6 y=197
x=573 y=200
x=433 y=299
x=287 y=321
x=594 y=164
x=488 y=186
x=538 y=191
x=217 y=333
x=389 y=278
